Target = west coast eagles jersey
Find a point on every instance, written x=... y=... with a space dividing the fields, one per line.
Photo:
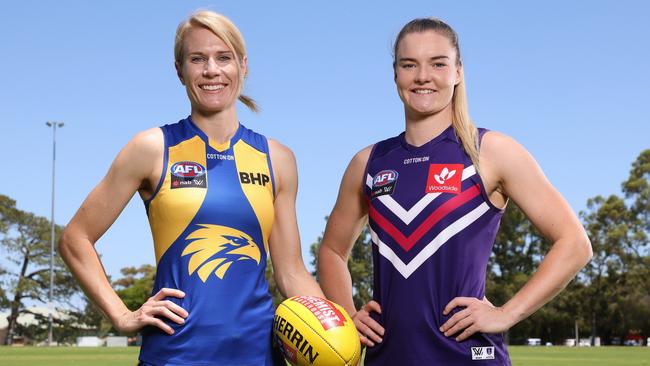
x=211 y=216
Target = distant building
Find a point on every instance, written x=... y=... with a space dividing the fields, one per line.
x=27 y=319
x=534 y=342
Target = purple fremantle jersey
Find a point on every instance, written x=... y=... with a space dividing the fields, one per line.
x=432 y=227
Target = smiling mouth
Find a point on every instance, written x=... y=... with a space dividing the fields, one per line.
x=423 y=91
x=212 y=87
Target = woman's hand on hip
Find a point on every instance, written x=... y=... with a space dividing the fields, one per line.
x=151 y=312
x=370 y=332
x=478 y=316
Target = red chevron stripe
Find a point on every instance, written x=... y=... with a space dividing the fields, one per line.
x=408 y=242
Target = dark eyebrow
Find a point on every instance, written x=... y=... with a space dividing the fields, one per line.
x=408 y=59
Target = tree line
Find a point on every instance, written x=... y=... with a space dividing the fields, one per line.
x=609 y=298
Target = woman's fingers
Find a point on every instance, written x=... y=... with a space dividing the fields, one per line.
x=370 y=331
x=160 y=324
x=168 y=292
x=164 y=311
x=175 y=308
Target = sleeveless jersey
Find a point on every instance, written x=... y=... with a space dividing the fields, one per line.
x=210 y=217
x=432 y=227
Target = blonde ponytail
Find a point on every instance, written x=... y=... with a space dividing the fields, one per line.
x=463 y=126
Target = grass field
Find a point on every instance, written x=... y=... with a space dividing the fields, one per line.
x=520 y=355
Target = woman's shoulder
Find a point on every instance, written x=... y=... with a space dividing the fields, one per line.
x=148 y=141
x=496 y=142
x=503 y=155
x=279 y=150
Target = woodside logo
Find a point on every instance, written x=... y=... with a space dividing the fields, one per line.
x=444 y=178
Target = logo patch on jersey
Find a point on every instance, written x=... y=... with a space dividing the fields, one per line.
x=444 y=178
x=482 y=353
x=419 y=159
x=186 y=174
x=214 y=248
x=384 y=183
x=254 y=178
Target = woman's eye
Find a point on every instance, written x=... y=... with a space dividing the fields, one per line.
x=197 y=58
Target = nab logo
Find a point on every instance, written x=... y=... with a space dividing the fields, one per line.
x=188 y=169
x=482 y=353
x=384 y=177
x=188 y=174
x=254 y=178
x=444 y=178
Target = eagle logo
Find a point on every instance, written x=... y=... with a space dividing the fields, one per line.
x=214 y=248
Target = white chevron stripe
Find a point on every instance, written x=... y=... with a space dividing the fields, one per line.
x=407 y=269
x=408 y=215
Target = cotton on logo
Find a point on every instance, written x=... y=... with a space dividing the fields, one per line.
x=444 y=178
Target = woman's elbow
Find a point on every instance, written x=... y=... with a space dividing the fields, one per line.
x=66 y=244
x=583 y=248
x=63 y=246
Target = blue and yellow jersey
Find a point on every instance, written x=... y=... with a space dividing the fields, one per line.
x=211 y=216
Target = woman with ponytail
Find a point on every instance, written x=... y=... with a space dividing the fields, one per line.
x=433 y=198
x=219 y=198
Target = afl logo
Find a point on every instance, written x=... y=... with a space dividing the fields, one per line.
x=187 y=169
x=384 y=177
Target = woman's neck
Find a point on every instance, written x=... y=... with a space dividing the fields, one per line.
x=220 y=126
x=421 y=129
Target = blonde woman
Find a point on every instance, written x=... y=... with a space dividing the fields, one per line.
x=218 y=197
x=433 y=197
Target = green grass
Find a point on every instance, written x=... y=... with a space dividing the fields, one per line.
x=68 y=356
x=565 y=356
x=520 y=355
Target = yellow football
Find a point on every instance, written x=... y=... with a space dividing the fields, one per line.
x=316 y=332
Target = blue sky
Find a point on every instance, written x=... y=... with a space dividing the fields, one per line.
x=568 y=80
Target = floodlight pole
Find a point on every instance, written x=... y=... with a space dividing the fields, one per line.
x=50 y=306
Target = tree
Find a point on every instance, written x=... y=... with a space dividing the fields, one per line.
x=637 y=188
x=26 y=243
x=359 y=265
x=135 y=287
x=4 y=301
x=518 y=249
x=618 y=277
x=637 y=193
x=6 y=210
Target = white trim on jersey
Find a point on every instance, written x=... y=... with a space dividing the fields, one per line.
x=407 y=269
x=408 y=215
